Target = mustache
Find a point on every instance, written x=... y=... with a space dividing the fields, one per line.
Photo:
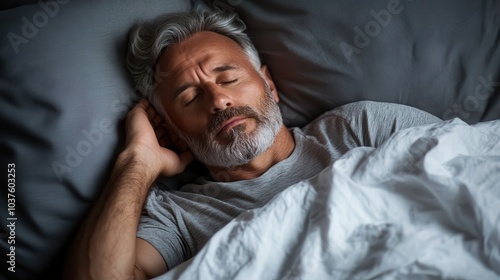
x=229 y=113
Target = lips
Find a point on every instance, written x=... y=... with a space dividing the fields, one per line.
x=227 y=125
x=230 y=117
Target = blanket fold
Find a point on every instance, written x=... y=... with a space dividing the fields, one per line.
x=424 y=205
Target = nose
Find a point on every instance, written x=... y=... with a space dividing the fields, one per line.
x=220 y=99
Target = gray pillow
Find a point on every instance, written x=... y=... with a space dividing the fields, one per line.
x=64 y=93
x=440 y=56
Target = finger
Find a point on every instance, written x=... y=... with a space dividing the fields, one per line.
x=138 y=112
x=173 y=138
x=178 y=143
x=151 y=113
x=169 y=131
x=163 y=136
x=163 y=139
x=140 y=106
x=160 y=132
x=157 y=120
x=143 y=104
x=165 y=142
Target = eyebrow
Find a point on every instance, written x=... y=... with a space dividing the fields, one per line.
x=224 y=68
x=217 y=69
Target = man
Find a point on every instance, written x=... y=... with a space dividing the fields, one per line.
x=211 y=99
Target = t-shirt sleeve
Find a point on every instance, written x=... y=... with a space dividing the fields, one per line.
x=367 y=123
x=159 y=228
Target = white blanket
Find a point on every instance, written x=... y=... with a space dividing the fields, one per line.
x=425 y=205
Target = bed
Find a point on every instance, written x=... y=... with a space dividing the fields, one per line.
x=65 y=92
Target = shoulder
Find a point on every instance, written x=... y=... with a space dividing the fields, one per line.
x=372 y=109
x=368 y=122
x=362 y=111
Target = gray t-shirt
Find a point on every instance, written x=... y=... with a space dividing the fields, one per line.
x=178 y=223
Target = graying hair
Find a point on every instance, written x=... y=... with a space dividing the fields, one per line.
x=148 y=40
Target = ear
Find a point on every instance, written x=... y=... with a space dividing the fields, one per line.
x=270 y=82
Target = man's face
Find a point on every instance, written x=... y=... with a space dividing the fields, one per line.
x=217 y=102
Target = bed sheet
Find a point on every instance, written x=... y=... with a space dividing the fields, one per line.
x=425 y=205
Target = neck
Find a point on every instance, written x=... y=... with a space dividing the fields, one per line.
x=280 y=149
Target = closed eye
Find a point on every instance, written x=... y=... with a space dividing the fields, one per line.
x=228 y=82
x=192 y=99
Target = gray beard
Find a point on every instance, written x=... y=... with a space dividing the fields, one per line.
x=242 y=147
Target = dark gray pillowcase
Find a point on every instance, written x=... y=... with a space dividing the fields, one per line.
x=439 y=56
x=64 y=93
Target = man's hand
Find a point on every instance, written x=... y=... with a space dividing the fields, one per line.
x=106 y=246
x=149 y=141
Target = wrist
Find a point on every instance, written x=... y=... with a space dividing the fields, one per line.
x=138 y=162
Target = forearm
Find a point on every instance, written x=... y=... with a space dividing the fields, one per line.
x=105 y=245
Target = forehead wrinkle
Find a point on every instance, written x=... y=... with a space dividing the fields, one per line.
x=193 y=57
x=191 y=49
x=177 y=74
